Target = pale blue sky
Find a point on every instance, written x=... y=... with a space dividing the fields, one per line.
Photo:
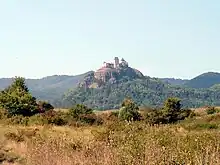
x=172 y=38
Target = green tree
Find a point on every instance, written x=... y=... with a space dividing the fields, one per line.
x=17 y=100
x=172 y=110
x=79 y=110
x=83 y=114
x=129 y=111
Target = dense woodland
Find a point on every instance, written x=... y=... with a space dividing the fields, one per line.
x=145 y=92
x=63 y=91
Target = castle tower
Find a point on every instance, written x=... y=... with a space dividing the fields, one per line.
x=116 y=62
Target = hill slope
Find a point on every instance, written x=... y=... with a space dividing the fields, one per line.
x=107 y=95
x=147 y=91
x=48 y=88
x=174 y=81
x=205 y=80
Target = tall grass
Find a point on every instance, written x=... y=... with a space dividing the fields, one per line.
x=194 y=141
x=115 y=144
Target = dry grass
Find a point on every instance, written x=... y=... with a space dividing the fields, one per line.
x=115 y=144
x=61 y=109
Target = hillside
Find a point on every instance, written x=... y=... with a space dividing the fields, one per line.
x=148 y=91
x=48 y=88
x=108 y=86
x=205 y=80
x=174 y=81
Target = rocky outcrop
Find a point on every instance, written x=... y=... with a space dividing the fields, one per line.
x=110 y=74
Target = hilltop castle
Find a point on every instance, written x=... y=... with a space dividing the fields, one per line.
x=116 y=65
x=111 y=73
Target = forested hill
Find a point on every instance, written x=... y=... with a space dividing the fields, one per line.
x=62 y=90
x=174 y=81
x=205 y=80
x=48 y=88
x=148 y=91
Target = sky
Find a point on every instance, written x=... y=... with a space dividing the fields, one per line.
x=172 y=38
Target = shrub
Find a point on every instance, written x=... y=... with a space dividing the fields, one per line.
x=185 y=113
x=90 y=119
x=44 y=106
x=211 y=110
x=129 y=111
x=80 y=109
x=170 y=113
x=83 y=114
x=54 y=118
x=154 y=117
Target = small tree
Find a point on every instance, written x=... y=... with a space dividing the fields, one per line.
x=173 y=111
x=83 y=114
x=129 y=111
x=79 y=110
x=17 y=100
x=170 y=113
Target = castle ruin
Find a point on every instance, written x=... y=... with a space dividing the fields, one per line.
x=116 y=65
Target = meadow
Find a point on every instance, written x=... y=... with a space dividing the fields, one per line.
x=191 y=141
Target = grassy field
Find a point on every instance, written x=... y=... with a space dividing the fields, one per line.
x=193 y=141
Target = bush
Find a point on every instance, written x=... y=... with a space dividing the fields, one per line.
x=54 y=118
x=211 y=110
x=185 y=113
x=170 y=113
x=154 y=117
x=90 y=119
x=44 y=106
x=83 y=114
x=80 y=109
x=129 y=111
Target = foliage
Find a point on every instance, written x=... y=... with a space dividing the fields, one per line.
x=170 y=113
x=85 y=115
x=79 y=110
x=129 y=111
x=205 y=80
x=171 y=110
x=148 y=91
x=17 y=100
x=154 y=117
x=211 y=110
x=54 y=118
x=44 y=106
